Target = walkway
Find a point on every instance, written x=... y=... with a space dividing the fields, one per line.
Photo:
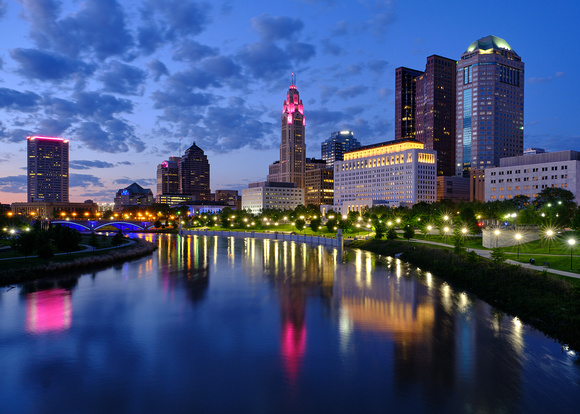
x=487 y=254
x=86 y=249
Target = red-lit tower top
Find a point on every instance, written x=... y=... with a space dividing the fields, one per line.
x=293 y=108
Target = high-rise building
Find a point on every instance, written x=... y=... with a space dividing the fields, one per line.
x=435 y=111
x=194 y=174
x=425 y=108
x=490 y=105
x=292 y=145
x=168 y=176
x=48 y=177
x=333 y=148
x=319 y=186
x=405 y=87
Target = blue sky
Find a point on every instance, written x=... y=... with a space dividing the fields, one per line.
x=125 y=79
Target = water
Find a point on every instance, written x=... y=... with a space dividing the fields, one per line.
x=231 y=325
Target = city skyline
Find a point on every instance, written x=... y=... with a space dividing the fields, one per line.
x=137 y=80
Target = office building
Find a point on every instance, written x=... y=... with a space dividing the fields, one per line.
x=405 y=93
x=194 y=174
x=333 y=148
x=266 y=195
x=400 y=171
x=490 y=105
x=48 y=163
x=452 y=188
x=529 y=175
x=319 y=186
x=425 y=109
x=133 y=196
x=292 y=145
x=168 y=177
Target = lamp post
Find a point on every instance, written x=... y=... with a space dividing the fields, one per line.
x=518 y=238
x=571 y=242
x=496 y=232
x=428 y=230
x=549 y=235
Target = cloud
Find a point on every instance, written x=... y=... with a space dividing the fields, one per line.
x=384 y=92
x=88 y=164
x=46 y=66
x=2 y=9
x=265 y=60
x=180 y=17
x=98 y=27
x=192 y=51
x=14 y=184
x=301 y=52
x=352 y=91
x=124 y=163
x=537 y=81
x=353 y=69
x=143 y=182
x=221 y=66
x=340 y=28
x=330 y=48
x=19 y=101
x=157 y=68
x=276 y=28
x=83 y=180
x=116 y=136
x=15 y=135
x=53 y=127
x=378 y=66
x=560 y=74
x=123 y=79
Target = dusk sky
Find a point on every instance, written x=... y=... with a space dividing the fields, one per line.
x=124 y=79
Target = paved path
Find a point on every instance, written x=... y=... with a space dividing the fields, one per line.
x=86 y=249
x=487 y=254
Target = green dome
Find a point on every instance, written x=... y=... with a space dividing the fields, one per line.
x=489 y=42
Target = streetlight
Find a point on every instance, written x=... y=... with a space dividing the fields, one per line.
x=518 y=238
x=571 y=242
x=496 y=232
x=429 y=230
x=549 y=235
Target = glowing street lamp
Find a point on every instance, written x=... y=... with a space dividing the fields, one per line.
x=496 y=232
x=518 y=238
x=571 y=242
x=428 y=230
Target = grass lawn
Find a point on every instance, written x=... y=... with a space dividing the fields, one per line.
x=555 y=262
x=472 y=242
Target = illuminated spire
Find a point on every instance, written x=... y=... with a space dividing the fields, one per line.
x=293 y=79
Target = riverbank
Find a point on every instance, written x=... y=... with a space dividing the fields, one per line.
x=538 y=299
x=137 y=249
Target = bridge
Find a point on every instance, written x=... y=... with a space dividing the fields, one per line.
x=96 y=225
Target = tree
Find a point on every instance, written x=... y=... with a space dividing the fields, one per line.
x=380 y=228
x=315 y=224
x=331 y=224
x=67 y=239
x=391 y=233
x=45 y=252
x=409 y=232
x=459 y=244
x=25 y=243
x=94 y=241
x=498 y=255
x=118 y=239
x=300 y=224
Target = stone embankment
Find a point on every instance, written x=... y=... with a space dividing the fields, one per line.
x=137 y=249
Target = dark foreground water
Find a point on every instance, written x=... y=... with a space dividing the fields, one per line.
x=249 y=326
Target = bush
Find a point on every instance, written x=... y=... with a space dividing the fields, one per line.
x=391 y=234
x=498 y=255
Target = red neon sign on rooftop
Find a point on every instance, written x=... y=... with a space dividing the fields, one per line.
x=34 y=137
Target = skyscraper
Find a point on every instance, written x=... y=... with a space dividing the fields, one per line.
x=425 y=109
x=405 y=86
x=48 y=177
x=490 y=105
x=194 y=174
x=292 y=145
x=333 y=148
x=168 y=176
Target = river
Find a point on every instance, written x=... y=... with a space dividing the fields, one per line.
x=214 y=325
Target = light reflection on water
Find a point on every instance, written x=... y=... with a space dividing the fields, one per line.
x=221 y=324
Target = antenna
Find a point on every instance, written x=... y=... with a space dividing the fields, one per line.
x=293 y=79
x=179 y=147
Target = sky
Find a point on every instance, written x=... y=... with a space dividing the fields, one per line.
x=131 y=83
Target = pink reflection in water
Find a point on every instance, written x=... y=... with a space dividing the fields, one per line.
x=293 y=347
x=48 y=311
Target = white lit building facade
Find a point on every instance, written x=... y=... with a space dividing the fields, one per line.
x=265 y=195
x=389 y=173
x=528 y=175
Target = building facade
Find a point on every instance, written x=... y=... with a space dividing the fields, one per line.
x=389 y=172
x=168 y=176
x=529 y=175
x=452 y=188
x=425 y=108
x=133 y=196
x=293 y=144
x=405 y=93
x=266 y=195
x=319 y=186
x=333 y=148
x=48 y=165
x=490 y=105
x=194 y=174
